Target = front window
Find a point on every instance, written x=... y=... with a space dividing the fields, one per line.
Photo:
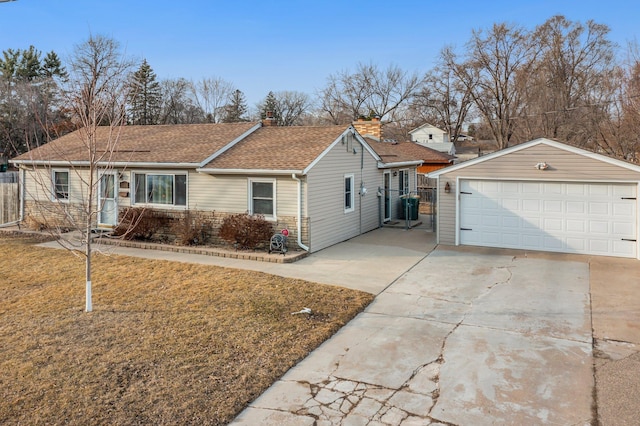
x=349 y=197
x=262 y=198
x=403 y=182
x=156 y=188
x=60 y=185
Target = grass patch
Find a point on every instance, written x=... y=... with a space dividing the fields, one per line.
x=167 y=342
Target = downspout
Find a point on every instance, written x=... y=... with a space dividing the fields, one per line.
x=299 y=221
x=21 y=195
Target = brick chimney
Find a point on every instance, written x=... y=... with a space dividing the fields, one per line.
x=269 y=120
x=371 y=127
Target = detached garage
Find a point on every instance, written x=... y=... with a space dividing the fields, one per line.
x=541 y=195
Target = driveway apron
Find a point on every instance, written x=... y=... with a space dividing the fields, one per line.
x=463 y=337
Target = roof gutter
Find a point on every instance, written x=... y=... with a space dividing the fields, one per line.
x=247 y=171
x=382 y=165
x=299 y=222
x=127 y=164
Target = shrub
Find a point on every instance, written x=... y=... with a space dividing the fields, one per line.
x=140 y=224
x=193 y=228
x=246 y=231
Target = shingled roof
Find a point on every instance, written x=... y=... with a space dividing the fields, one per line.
x=171 y=144
x=278 y=148
x=397 y=152
x=229 y=147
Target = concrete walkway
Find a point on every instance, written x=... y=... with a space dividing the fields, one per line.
x=368 y=263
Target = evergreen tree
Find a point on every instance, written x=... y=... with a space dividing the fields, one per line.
x=144 y=97
x=52 y=66
x=235 y=110
x=270 y=105
x=29 y=67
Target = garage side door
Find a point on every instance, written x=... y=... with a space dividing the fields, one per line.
x=585 y=218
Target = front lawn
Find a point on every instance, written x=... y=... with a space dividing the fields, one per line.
x=167 y=343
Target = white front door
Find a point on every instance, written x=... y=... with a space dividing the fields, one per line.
x=569 y=217
x=107 y=200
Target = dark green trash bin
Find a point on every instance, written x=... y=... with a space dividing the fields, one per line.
x=413 y=206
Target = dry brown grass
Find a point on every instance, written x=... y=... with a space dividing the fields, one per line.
x=167 y=343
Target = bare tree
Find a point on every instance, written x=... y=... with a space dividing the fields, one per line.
x=211 y=95
x=292 y=106
x=288 y=107
x=495 y=65
x=177 y=105
x=366 y=92
x=342 y=99
x=444 y=100
x=617 y=126
x=572 y=71
x=79 y=175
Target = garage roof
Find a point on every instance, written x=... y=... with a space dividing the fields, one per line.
x=539 y=141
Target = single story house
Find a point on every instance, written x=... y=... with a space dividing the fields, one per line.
x=320 y=183
x=541 y=195
x=433 y=137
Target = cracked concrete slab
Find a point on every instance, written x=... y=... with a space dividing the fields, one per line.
x=494 y=376
x=542 y=297
x=465 y=337
x=374 y=349
x=439 y=276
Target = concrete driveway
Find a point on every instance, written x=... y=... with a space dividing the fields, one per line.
x=460 y=335
x=472 y=336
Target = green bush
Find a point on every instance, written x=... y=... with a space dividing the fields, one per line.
x=246 y=231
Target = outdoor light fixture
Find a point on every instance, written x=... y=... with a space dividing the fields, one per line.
x=447 y=188
x=541 y=166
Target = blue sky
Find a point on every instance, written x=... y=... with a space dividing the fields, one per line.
x=285 y=45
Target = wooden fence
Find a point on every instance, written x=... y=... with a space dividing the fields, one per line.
x=9 y=198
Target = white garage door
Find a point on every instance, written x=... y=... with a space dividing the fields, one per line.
x=587 y=218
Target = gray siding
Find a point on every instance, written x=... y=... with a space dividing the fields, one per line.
x=563 y=166
x=329 y=224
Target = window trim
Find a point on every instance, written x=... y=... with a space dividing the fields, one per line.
x=54 y=192
x=273 y=182
x=352 y=198
x=146 y=203
x=403 y=176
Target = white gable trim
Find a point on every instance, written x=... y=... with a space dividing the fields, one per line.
x=349 y=132
x=539 y=141
x=229 y=145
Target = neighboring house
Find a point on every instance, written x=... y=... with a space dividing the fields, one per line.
x=320 y=183
x=388 y=149
x=541 y=195
x=434 y=138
